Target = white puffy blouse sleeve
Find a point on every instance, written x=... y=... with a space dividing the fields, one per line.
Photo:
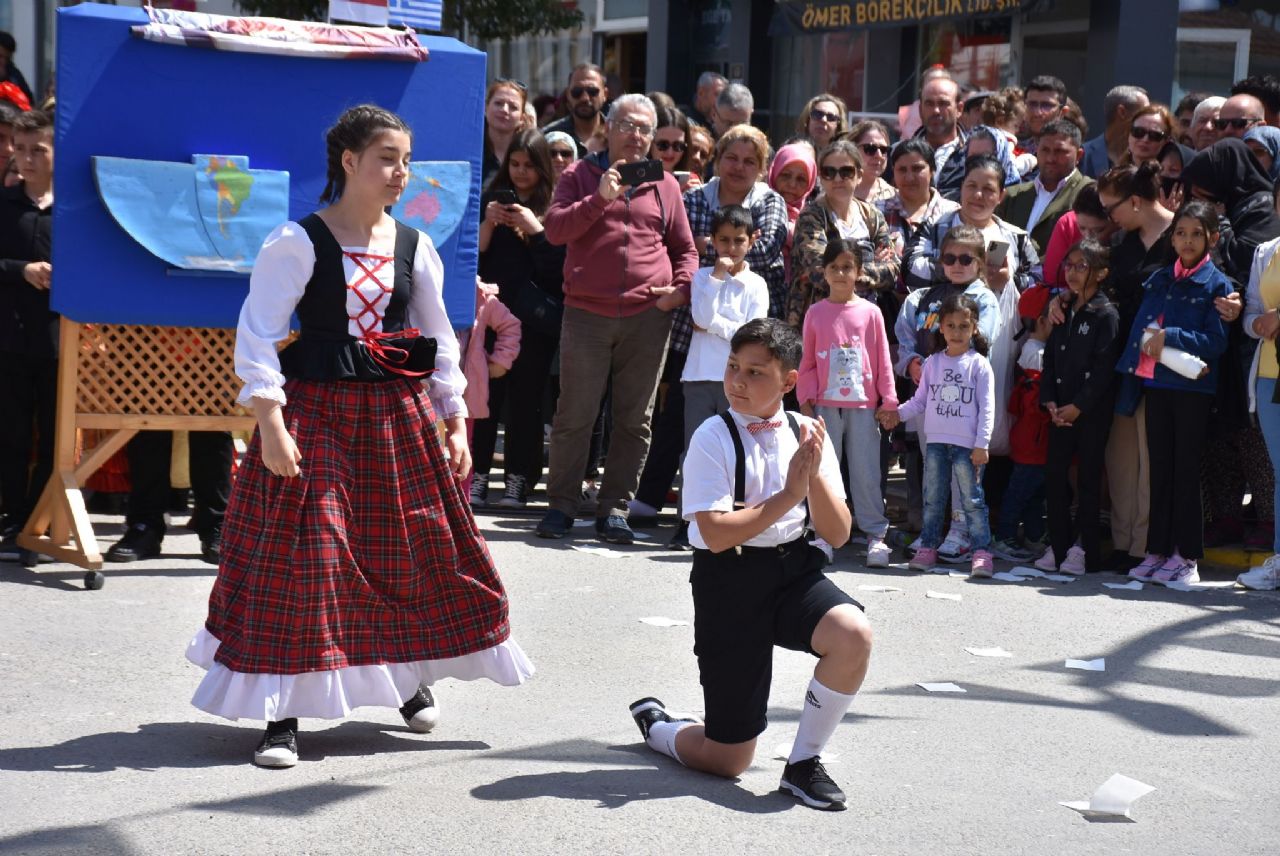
x=426 y=312
x=280 y=275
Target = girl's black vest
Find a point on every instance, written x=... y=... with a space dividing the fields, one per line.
x=325 y=348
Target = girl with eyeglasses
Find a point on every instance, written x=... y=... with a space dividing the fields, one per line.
x=1151 y=128
x=822 y=120
x=872 y=139
x=838 y=213
x=1077 y=387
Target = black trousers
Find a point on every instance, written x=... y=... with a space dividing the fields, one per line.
x=1177 y=431
x=211 y=455
x=517 y=400
x=29 y=396
x=1086 y=443
x=667 y=443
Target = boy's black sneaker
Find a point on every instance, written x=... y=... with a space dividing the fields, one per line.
x=420 y=712
x=646 y=712
x=140 y=541
x=211 y=546
x=808 y=782
x=614 y=529
x=554 y=524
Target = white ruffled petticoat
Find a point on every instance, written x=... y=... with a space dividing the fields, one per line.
x=334 y=694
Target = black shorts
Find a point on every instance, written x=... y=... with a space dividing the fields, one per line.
x=744 y=604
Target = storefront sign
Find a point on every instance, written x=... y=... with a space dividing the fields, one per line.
x=793 y=18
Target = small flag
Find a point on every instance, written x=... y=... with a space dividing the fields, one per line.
x=372 y=12
x=422 y=14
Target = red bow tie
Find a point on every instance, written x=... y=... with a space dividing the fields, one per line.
x=757 y=427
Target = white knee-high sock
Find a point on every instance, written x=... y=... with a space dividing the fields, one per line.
x=662 y=737
x=823 y=710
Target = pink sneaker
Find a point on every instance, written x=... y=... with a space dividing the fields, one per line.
x=982 y=564
x=1147 y=567
x=924 y=559
x=1177 y=570
x=1047 y=562
x=1074 y=562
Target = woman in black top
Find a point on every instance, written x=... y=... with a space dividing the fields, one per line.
x=1227 y=175
x=529 y=273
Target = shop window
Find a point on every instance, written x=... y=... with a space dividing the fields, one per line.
x=834 y=62
x=977 y=52
x=1209 y=60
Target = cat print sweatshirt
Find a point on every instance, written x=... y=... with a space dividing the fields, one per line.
x=846 y=360
x=956 y=396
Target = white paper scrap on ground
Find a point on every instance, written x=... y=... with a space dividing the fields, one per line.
x=1132 y=585
x=940 y=570
x=659 y=621
x=1005 y=577
x=942 y=688
x=942 y=595
x=602 y=552
x=988 y=652
x=1114 y=798
x=1059 y=578
x=1024 y=571
x=1098 y=665
x=879 y=588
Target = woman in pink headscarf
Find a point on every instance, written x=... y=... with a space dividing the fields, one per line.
x=793 y=174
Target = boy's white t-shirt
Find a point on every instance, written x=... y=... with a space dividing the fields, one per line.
x=709 y=470
x=720 y=307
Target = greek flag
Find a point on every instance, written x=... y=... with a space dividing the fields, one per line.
x=422 y=14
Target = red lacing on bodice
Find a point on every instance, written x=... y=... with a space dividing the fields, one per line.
x=390 y=357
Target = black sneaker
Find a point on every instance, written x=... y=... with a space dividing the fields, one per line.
x=516 y=493
x=420 y=712
x=808 y=782
x=479 y=490
x=614 y=529
x=140 y=541
x=211 y=547
x=646 y=712
x=279 y=746
x=680 y=539
x=555 y=524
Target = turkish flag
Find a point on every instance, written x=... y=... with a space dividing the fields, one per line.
x=372 y=12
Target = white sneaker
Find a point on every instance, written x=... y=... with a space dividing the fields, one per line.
x=1047 y=562
x=1074 y=562
x=1264 y=577
x=956 y=548
x=878 y=553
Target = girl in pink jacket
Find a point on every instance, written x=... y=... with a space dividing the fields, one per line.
x=478 y=365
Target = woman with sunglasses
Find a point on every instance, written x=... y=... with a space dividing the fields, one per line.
x=872 y=139
x=822 y=120
x=1228 y=175
x=741 y=160
x=838 y=213
x=563 y=151
x=503 y=113
x=1151 y=128
x=671 y=145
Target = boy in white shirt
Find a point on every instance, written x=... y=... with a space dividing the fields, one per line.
x=754 y=478
x=722 y=298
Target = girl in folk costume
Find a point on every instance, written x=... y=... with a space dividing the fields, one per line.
x=352 y=570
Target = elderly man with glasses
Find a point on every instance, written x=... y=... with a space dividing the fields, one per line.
x=630 y=261
x=586 y=95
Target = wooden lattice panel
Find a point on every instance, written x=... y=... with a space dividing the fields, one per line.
x=138 y=370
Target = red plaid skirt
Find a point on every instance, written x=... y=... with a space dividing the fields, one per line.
x=370 y=556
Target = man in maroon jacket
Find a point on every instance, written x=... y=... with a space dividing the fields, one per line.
x=630 y=260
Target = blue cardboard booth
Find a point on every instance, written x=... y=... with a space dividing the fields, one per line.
x=125 y=104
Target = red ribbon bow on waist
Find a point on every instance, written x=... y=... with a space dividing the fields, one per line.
x=391 y=357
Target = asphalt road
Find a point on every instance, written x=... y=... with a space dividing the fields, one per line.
x=100 y=751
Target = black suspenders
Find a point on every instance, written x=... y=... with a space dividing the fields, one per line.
x=740 y=461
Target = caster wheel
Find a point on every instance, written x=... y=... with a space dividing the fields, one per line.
x=94 y=580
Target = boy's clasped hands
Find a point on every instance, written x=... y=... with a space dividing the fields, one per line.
x=806 y=463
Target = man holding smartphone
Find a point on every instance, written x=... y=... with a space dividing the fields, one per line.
x=630 y=261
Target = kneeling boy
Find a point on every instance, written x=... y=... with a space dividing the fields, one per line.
x=754 y=478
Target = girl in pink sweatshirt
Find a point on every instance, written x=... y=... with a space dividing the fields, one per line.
x=478 y=364
x=846 y=377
